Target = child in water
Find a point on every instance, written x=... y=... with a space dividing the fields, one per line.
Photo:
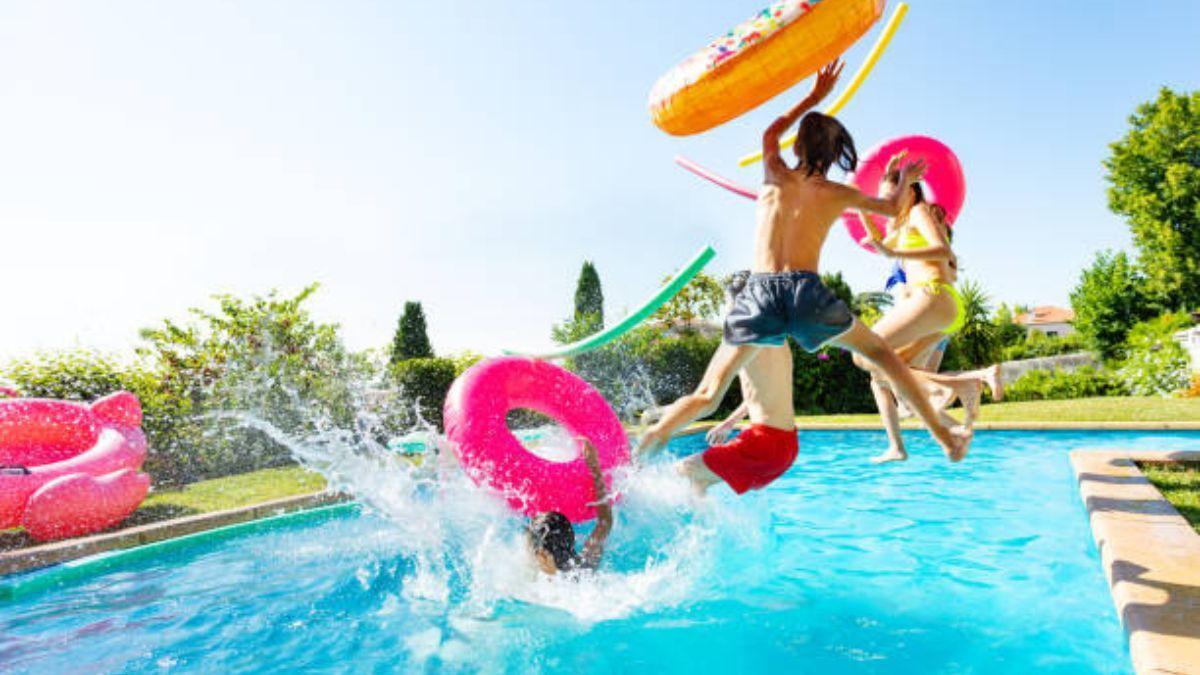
x=551 y=537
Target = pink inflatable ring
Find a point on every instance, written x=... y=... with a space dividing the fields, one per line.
x=475 y=418
x=944 y=181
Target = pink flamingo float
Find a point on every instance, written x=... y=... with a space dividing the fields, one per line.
x=68 y=469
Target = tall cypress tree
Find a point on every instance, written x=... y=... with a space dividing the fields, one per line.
x=589 y=298
x=589 y=308
x=589 y=301
x=411 y=340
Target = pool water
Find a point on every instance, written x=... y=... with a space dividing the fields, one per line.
x=840 y=566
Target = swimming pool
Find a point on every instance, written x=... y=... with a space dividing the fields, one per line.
x=982 y=567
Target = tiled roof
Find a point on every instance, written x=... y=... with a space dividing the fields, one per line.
x=1045 y=314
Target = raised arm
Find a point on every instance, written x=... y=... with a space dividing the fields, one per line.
x=826 y=78
x=890 y=205
x=593 y=548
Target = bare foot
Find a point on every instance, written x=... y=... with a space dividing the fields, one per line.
x=650 y=443
x=960 y=442
x=991 y=377
x=892 y=454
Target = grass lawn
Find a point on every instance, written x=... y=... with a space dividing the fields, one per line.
x=206 y=496
x=1180 y=484
x=228 y=492
x=1111 y=409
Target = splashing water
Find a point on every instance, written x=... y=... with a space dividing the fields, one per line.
x=468 y=549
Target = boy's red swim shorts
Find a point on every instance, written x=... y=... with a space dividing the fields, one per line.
x=754 y=459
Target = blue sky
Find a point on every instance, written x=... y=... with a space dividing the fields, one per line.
x=471 y=154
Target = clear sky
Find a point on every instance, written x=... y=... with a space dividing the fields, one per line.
x=471 y=154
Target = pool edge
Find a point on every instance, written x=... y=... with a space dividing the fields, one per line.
x=59 y=552
x=1150 y=555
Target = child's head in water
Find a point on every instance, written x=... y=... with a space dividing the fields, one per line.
x=551 y=537
x=821 y=143
x=552 y=540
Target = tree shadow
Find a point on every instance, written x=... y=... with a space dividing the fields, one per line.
x=154 y=513
x=1178 y=616
x=1088 y=477
x=1135 y=507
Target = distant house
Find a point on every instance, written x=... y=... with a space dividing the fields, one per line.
x=1190 y=339
x=1053 y=321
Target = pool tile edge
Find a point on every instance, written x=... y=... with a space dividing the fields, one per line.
x=1150 y=555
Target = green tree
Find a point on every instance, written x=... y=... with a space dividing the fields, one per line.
x=976 y=344
x=1108 y=301
x=871 y=305
x=412 y=338
x=1008 y=331
x=263 y=357
x=701 y=298
x=588 y=317
x=836 y=283
x=1154 y=172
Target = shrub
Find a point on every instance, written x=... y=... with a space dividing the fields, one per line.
x=1050 y=385
x=262 y=356
x=1155 y=364
x=828 y=382
x=83 y=375
x=1037 y=345
x=423 y=384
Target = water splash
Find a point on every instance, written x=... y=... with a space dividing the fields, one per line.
x=465 y=552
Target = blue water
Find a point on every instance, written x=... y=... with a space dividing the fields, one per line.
x=984 y=567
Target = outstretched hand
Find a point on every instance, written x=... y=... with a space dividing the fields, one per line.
x=913 y=173
x=827 y=77
x=894 y=162
x=719 y=434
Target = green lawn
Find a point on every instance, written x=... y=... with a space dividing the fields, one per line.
x=1111 y=409
x=228 y=492
x=1180 y=484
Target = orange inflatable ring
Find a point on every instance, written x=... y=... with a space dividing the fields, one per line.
x=756 y=61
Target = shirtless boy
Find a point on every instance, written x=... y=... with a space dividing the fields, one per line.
x=784 y=295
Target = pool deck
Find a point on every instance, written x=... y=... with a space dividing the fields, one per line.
x=53 y=553
x=1150 y=554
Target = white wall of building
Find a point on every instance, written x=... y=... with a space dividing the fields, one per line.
x=1190 y=339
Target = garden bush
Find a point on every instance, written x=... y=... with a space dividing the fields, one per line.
x=1155 y=364
x=1037 y=345
x=1050 y=385
x=422 y=385
x=81 y=375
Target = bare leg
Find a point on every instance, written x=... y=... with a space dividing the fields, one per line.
x=694 y=469
x=860 y=339
x=723 y=367
x=891 y=422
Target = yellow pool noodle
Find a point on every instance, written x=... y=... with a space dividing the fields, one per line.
x=859 y=77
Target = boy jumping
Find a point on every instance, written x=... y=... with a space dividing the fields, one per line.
x=784 y=297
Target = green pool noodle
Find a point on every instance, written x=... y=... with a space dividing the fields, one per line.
x=632 y=320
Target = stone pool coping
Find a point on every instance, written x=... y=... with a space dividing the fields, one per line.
x=1150 y=555
x=701 y=427
x=56 y=552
